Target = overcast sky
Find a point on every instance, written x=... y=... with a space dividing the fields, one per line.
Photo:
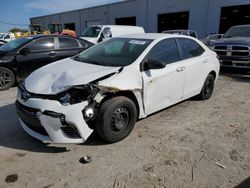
x=16 y=13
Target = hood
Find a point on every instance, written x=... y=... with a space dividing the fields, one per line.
x=233 y=41
x=92 y=40
x=3 y=53
x=64 y=74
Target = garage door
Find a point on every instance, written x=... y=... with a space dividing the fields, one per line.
x=126 y=21
x=234 y=15
x=171 y=21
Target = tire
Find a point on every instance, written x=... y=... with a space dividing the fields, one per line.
x=7 y=78
x=116 y=119
x=208 y=88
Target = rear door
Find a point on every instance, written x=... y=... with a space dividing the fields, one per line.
x=41 y=52
x=68 y=47
x=163 y=87
x=194 y=60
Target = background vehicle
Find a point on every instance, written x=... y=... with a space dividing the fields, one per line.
x=2 y=42
x=98 y=33
x=210 y=39
x=58 y=29
x=7 y=37
x=190 y=33
x=20 y=57
x=234 y=48
x=112 y=84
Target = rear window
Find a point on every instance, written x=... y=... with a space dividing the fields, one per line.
x=66 y=43
x=190 y=48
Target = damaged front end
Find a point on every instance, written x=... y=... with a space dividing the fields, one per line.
x=69 y=115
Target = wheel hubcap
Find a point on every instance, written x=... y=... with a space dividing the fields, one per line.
x=208 y=87
x=5 y=79
x=120 y=119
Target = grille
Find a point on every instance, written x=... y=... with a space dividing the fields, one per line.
x=30 y=117
x=233 y=51
x=220 y=47
x=71 y=132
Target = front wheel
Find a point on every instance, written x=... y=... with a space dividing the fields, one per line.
x=116 y=119
x=7 y=78
x=208 y=88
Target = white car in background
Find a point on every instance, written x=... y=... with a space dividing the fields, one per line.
x=7 y=37
x=99 y=33
x=111 y=85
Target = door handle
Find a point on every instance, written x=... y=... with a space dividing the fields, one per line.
x=52 y=54
x=205 y=61
x=180 y=69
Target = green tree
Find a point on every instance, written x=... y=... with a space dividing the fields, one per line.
x=14 y=30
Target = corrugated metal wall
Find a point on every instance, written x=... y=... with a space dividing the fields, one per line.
x=204 y=15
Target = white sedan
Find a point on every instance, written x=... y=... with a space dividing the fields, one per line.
x=110 y=86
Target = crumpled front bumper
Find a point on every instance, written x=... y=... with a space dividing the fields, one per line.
x=51 y=122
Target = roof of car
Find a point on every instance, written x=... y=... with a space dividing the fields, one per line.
x=41 y=36
x=32 y=37
x=152 y=36
x=179 y=30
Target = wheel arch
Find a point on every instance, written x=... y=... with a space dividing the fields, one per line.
x=126 y=93
x=213 y=73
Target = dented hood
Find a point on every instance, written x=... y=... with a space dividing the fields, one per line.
x=52 y=78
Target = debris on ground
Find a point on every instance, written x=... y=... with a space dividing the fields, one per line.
x=220 y=165
x=11 y=178
x=86 y=159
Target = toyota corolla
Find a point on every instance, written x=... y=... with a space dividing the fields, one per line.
x=108 y=87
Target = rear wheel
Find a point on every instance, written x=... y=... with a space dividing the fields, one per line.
x=7 y=78
x=116 y=119
x=208 y=88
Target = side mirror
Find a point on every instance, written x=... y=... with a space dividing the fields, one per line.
x=24 y=51
x=154 y=64
x=101 y=38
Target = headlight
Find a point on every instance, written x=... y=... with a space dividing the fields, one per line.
x=6 y=59
x=60 y=89
x=76 y=94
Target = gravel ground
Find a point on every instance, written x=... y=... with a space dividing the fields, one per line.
x=192 y=144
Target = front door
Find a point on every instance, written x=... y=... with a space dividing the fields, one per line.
x=38 y=53
x=163 y=87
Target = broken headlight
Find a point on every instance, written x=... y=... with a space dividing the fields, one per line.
x=76 y=94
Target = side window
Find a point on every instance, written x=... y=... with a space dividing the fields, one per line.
x=7 y=37
x=41 y=44
x=66 y=43
x=193 y=34
x=84 y=44
x=190 y=48
x=165 y=51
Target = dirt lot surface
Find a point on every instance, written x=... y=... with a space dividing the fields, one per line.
x=192 y=144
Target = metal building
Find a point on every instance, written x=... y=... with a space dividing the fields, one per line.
x=204 y=16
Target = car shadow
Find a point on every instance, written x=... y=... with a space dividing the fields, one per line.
x=95 y=140
x=238 y=75
x=244 y=184
x=13 y=136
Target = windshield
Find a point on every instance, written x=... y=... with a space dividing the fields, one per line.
x=13 y=44
x=240 y=31
x=2 y=35
x=92 y=32
x=116 y=52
